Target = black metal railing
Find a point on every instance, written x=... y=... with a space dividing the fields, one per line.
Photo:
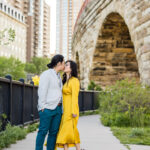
x=18 y=101
x=88 y=100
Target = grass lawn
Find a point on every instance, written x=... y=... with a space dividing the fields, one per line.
x=128 y=135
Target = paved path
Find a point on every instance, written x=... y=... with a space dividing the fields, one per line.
x=94 y=136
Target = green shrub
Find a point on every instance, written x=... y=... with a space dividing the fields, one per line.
x=14 y=67
x=105 y=119
x=37 y=65
x=32 y=128
x=0 y=125
x=93 y=86
x=125 y=104
x=137 y=132
x=11 y=135
x=3 y=121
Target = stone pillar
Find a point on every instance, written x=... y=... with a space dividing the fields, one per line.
x=144 y=66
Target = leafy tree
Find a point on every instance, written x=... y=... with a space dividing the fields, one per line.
x=37 y=65
x=30 y=68
x=7 y=36
x=12 y=66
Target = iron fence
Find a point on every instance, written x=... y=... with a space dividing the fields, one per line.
x=18 y=101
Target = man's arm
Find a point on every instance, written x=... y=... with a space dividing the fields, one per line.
x=43 y=89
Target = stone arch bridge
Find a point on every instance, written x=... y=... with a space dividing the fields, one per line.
x=111 y=41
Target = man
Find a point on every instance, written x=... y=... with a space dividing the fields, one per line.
x=50 y=103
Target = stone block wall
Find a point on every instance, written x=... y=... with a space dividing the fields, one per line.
x=130 y=53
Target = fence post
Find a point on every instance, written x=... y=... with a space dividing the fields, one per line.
x=10 y=116
x=23 y=93
x=83 y=101
x=93 y=100
x=32 y=115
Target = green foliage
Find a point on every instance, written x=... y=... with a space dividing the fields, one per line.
x=4 y=116
x=11 y=35
x=3 y=121
x=7 y=36
x=12 y=66
x=0 y=125
x=128 y=135
x=37 y=65
x=18 y=70
x=93 y=86
x=137 y=132
x=87 y=113
x=10 y=135
x=32 y=128
x=125 y=104
x=14 y=133
x=30 y=68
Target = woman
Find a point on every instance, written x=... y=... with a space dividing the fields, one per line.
x=68 y=135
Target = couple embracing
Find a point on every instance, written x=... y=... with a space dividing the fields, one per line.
x=58 y=106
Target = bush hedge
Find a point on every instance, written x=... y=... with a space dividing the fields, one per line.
x=126 y=103
x=13 y=133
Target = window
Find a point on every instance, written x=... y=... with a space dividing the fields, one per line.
x=16 y=14
x=19 y=16
x=12 y=12
x=5 y=8
x=9 y=10
x=1 y=5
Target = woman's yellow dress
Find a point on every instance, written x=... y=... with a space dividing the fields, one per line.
x=68 y=132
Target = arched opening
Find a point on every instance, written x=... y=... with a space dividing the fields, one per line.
x=114 y=57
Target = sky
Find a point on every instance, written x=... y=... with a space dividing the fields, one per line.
x=52 y=4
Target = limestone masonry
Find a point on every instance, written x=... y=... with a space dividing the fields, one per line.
x=112 y=41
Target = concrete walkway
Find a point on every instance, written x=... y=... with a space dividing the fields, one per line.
x=94 y=136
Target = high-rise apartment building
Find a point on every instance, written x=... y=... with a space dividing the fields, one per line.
x=46 y=31
x=10 y=17
x=67 y=12
x=37 y=18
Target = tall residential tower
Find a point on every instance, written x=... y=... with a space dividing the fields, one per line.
x=37 y=18
x=67 y=12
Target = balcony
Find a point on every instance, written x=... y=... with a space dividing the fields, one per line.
x=45 y=42
x=26 y=2
x=45 y=23
x=37 y=3
x=25 y=5
x=36 y=23
x=44 y=38
x=36 y=33
x=37 y=17
x=17 y=1
x=36 y=13
x=45 y=28
x=17 y=5
x=46 y=15
x=45 y=10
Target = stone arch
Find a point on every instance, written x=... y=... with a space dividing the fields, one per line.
x=90 y=21
x=114 y=57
